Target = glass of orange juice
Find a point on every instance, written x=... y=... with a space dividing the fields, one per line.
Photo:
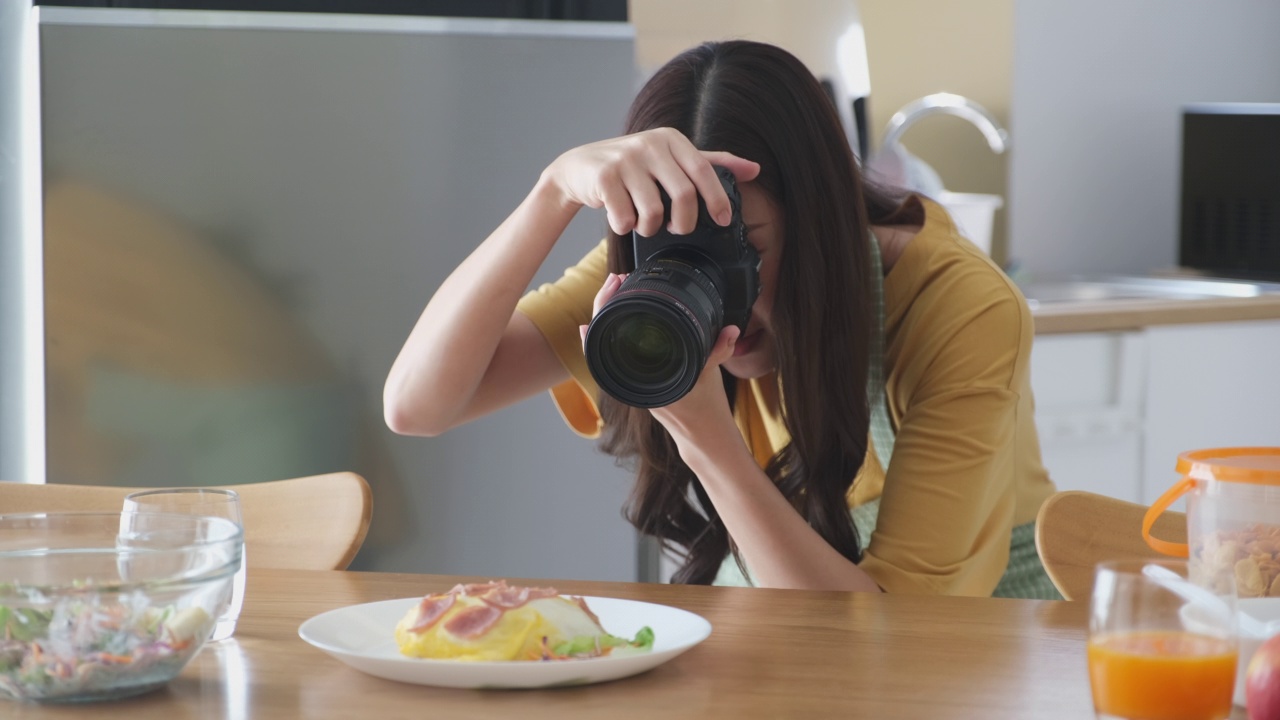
x=1160 y=646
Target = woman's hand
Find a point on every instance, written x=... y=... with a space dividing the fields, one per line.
x=703 y=416
x=622 y=176
x=778 y=544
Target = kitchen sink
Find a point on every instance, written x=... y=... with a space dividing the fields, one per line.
x=1105 y=289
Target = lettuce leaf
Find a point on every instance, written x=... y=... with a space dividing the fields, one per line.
x=25 y=624
x=644 y=638
x=587 y=644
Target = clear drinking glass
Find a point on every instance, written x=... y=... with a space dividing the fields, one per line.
x=213 y=502
x=1160 y=647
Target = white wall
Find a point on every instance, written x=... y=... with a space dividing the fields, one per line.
x=1095 y=118
x=913 y=48
x=20 y=366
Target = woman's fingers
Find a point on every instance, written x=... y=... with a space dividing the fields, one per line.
x=684 y=195
x=619 y=208
x=705 y=182
x=647 y=201
x=622 y=176
x=697 y=165
x=611 y=284
x=723 y=349
x=744 y=170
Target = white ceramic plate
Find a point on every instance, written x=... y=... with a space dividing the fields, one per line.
x=362 y=636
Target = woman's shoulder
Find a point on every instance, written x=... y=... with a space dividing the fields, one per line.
x=947 y=304
x=944 y=274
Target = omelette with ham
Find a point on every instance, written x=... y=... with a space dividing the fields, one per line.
x=495 y=621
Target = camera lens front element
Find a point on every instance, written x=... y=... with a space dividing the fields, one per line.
x=646 y=348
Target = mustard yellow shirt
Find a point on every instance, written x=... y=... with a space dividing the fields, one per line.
x=966 y=462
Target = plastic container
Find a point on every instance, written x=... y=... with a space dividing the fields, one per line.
x=1233 y=535
x=1233 y=518
x=974 y=215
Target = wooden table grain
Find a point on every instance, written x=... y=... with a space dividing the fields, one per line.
x=771 y=654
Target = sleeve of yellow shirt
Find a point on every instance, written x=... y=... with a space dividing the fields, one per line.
x=558 y=309
x=947 y=510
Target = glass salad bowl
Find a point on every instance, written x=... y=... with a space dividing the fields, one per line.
x=98 y=606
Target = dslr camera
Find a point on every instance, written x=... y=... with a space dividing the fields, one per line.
x=650 y=341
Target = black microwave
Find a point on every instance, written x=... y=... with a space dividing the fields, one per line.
x=1230 y=203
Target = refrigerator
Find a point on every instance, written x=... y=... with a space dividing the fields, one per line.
x=225 y=225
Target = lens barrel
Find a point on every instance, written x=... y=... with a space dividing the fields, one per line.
x=648 y=344
x=650 y=341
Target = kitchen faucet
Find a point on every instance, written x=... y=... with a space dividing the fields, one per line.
x=946 y=104
x=893 y=165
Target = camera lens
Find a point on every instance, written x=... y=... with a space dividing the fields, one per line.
x=646 y=348
x=648 y=344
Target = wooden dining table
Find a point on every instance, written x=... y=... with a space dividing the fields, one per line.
x=771 y=654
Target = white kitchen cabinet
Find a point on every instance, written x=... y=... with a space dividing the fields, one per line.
x=1114 y=409
x=1089 y=398
x=1208 y=385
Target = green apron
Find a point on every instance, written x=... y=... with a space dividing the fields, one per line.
x=1024 y=577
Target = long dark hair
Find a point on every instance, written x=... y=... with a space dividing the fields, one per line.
x=759 y=102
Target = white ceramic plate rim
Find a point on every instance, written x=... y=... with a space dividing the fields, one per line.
x=675 y=631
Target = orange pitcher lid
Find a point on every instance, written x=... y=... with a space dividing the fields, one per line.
x=1255 y=465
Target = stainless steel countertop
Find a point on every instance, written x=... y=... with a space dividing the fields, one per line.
x=1125 y=302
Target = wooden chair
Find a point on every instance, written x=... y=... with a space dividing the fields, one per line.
x=1076 y=530
x=307 y=523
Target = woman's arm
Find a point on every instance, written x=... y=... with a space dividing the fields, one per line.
x=468 y=334
x=470 y=352
x=779 y=546
x=950 y=491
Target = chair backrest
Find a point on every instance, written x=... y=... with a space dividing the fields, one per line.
x=307 y=523
x=1076 y=530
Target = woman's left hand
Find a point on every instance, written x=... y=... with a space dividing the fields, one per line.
x=781 y=547
x=704 y=411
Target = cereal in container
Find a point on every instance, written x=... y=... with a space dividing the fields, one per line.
x=1233 y=518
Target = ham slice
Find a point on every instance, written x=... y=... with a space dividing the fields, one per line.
x=473 y=621
x=430 y=610
x=583 y=604
x=476 y=588
x=509 y=598
x=506 y=598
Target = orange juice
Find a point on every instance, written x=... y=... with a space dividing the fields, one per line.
x=1162 y=675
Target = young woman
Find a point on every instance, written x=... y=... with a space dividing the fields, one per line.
x=872 y=427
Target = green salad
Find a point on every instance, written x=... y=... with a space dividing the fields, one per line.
x=84 y=648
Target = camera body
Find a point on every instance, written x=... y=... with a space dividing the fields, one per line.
x=649 y=343
x=722 y=248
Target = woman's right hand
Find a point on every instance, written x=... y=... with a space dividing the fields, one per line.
x=622 y=176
